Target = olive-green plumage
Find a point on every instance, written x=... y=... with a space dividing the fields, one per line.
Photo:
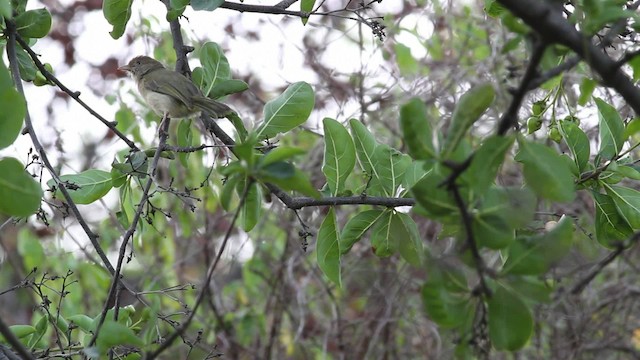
x=169 y=93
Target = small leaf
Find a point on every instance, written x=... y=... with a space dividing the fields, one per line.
x=34 y=23
x=287 y=111
x=22 y=331
x=328 y=248
x=20 y=194
x=437 y=202
x=510 y=320
x=26 y=66
x=279 y=154
x=298 y=182
x=184 y=139
x=611 y=130
x=215 y=65
x=227 y=87
x=578 y=143
x=446 y=297
x=355 y=228
x=536 y=254
x=85 y=187
x=468 y=110
x=382 y=241
x=113 y=334
x=416 y=129
x=390 y=165
x=627 y=202
x=486 y=162
x=12 y=115
x=545 y=171
x=206 y=5
x=586 y=89
x=492 y=231
x=365 y=144
x=251 y=207
x=409 y=240
x=117 y=13
x=306 y=6
x=611 y=228
x=339 y=155
x=405 y=60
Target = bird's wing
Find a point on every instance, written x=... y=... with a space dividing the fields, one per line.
x=172 y=89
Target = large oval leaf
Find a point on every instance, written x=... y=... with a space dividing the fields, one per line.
x=20 y=194
x=12 y=115
x=545 y=171
x=510 y=320
x=328 y=248
x=290 y=109
x=87 y=186
x=468 y=110
x=339 y=155
x=611 y=130
x=416 y=129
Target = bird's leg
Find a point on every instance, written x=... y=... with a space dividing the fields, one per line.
x=161 y=131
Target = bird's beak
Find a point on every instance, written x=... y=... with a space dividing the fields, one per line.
x=124 y=68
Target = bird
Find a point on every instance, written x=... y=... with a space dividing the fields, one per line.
x=169 y=93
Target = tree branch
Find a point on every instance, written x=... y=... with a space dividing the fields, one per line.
x=549 y=22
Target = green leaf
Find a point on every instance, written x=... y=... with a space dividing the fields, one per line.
x=227 y=87
x=41 y=328
x=435 y=200
x=20 y=194
x=12 y=115
x=409 y=240
x=85 y=187
x=545 y=171
x=611 y=228
x=34 y=23
x=306 y=6
x=215 y=67
x=355 y=228
x=468 y=110
x=22 y=331
x=206 y=5
x=487 y=161
x=416 y=129
x=446 y=297
x=83 y=321
x=382 y=241
x=536 y=254
x=611 y=130
x=251 y=207
x=287 y=111
x=365 y=144
x=117 y=13
x=414 y=173
x=228 y=189
x=30 y=250
x=531 y=288
x=328 y=248
x=298 y=182
x=113 y=334
x=406 y=62
x=586 y=89
x=633 y=127
x=492 y=231
x=26 y=66
x=339 y=155
x=577 y=142
x=515 y=205
x=390 y=165
x=627 y=202
x=279 y=154
x=510 y=320
x=184 y=139
x=5 y=9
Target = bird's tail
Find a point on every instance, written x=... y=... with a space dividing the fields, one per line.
x=214 y=108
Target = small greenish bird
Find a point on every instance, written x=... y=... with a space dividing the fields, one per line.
x=169 y=93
